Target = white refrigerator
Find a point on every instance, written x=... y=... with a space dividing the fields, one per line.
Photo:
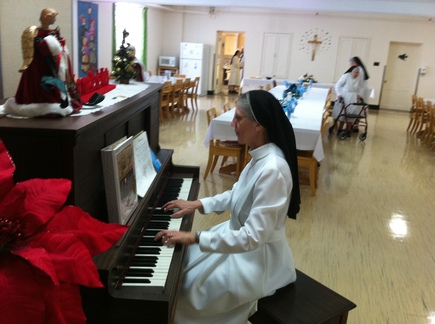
x=194 y=62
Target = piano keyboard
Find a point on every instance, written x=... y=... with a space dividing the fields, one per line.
x=152 y=259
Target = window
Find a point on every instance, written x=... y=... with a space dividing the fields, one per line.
x=129 y=16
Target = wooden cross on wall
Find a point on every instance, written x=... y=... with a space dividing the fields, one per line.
x=314 y=42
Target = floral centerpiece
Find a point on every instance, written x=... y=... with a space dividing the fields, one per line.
x=309 y=78
x=46 y=249
x=123 y=62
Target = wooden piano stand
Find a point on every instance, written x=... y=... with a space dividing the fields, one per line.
x=305 y=301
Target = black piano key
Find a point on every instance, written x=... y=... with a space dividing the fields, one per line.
x=160 y=217
x=144 y=260
x=148 y=250
x=143 y=263
x=171 y=193
x=140 y=273
x=158 y=225
x=150 y=242
x=151 y=233
x=135 y=280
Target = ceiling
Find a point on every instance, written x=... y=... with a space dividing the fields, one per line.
x=408 y=8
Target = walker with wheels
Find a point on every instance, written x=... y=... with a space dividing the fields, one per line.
x=358 y=115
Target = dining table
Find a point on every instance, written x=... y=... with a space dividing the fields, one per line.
x=255 y=83
x=306 y=121
x=162 y=79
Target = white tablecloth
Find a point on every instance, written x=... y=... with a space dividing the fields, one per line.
x=256 y=83
x=315 y=85
x=325 y=86
x=306 y=121
x=161 y=79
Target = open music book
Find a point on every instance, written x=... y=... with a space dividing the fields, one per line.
x=145 y=172
x=120 y=180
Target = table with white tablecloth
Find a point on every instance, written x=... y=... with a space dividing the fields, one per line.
x=306 y=121
x=162 y=79
x=325 y=86
x=314 y=85
x=248 y=84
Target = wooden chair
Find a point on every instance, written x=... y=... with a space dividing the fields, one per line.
x=165 y=99
x=267 y=87
x=412 y=119
x=247 y=157
x=328 y=103
x=177 y=96
x=180 y=76
x=149 y=72
x=325 y=122
x=226 y=107
x=186 y=85
x=306 y=160
x=431 y=140
x=192 y=92
x=427 y=129
x=219 y=148
x=419 y=116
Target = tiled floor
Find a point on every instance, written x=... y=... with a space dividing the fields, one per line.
x=369 y=233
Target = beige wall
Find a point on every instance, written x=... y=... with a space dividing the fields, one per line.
x=166 y=29
x=202 y=28
x=17 y=15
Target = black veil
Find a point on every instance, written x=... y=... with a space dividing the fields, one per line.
x=357 y=60
x=269 y=114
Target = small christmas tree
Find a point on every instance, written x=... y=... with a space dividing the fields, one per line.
x=123 y=62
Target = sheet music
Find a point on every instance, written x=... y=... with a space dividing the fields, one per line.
x=145 y=172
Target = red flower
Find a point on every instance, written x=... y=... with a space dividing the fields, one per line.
x=46 y=250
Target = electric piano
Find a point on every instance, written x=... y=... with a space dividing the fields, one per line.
x=69 y=148
x=141 y=276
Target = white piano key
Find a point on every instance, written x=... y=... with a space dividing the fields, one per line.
x=161 y=268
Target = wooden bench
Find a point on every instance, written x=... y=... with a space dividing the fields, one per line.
x=305 y=301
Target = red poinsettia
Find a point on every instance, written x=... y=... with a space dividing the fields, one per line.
x=46 y=249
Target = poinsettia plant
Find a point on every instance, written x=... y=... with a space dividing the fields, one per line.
x=46 y=249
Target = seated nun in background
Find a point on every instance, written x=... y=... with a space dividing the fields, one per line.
x=232 y=265
x=141 y=74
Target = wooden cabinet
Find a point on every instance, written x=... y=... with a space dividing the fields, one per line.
x=161 y=70
x=69 y=147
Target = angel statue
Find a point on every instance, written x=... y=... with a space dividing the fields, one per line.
x=47 y=86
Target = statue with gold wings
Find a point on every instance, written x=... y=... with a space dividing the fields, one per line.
x=27 y=46
x=46 y=86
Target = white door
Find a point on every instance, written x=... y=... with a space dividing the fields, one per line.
x=275 y=58
x=226 y=45
x=400 y=77
x=349 y=47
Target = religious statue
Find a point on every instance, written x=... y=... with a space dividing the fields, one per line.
x=47 y=86
x=314 y=42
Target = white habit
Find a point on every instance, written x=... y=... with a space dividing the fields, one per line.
x=246 y=258
x=349 y=88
